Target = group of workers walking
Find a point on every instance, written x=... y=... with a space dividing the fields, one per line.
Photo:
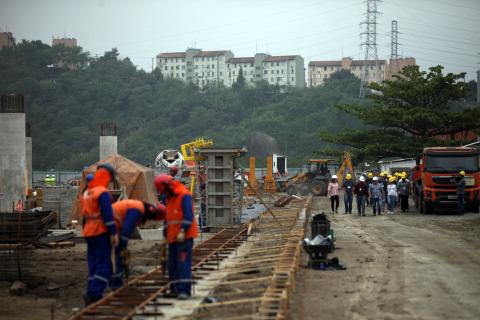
x=108 y=227
x=380 y=192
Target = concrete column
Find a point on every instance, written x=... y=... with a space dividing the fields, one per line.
x=28 y=150
x=12 y=151
x=108 y=140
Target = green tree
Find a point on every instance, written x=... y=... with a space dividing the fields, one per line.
x=407 y=114
x=240 y=83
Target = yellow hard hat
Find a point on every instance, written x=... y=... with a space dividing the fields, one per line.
x=392 y=179
x=348 y=176
x=404 y=174
x=462 y=173
x=389 y=176
x=382 y=174
x=370 y=174
x=396 y=174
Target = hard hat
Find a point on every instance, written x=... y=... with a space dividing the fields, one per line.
x=392 y=179
x=382 y=174
x=362 y=178
x=462 y=173
x=89 y=177
x=348 y=176
x=334 y=177
x=370 y=174
x=161 y=181
x=404 y=175
x=375 y=178
x=107 y=166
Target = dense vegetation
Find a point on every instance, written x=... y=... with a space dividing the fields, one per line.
x=416 y=109
x=66 y=107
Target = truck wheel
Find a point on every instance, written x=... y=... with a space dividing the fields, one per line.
x=291 y=189
x=428 y=207
x=475 y=207
x=318 y=188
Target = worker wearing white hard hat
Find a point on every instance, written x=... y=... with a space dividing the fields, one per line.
x=376 y=195
x=361 y=194
x=332 y=193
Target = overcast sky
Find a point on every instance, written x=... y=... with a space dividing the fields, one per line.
x=435 y=32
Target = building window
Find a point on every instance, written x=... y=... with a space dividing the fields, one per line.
x=196 y=74
x=166 y=68
x=202 y=60
x=177 y=67
x=166 y=60
x=183 y=60
x=171 y=68
x=233 y=72
x=278 y=64
x=183 y=67
x=278 y=71
x=213 y=66
x=282 y=71
x=177 y=75
x=183 y=75
x=292 y=79
x=272 y=64
x=272 y=71
x=220 y=73
x=279 y=79
x=265 y=71
x=324 y=68
x=271 y=79
x=196 y=66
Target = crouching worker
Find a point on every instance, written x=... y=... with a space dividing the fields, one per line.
x=99 y=231
x=181 y=229
x=128 y=214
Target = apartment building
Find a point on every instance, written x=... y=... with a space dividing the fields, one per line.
x=320 y=71
x=6 y=39
x=203 y=67
x=67 y=42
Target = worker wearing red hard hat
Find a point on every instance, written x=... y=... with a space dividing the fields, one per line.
x=181 y=229
x=99 y=231
x=128 y=214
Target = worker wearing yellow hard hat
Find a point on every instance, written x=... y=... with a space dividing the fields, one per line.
x=369 y=181
x=348 y=186
x=403 y=187
x=391 y=194
x=460 y=182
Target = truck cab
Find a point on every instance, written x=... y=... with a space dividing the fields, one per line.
x=435 y=174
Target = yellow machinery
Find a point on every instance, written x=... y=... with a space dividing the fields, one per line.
x=346 y=164
x=269 y=183
x=252 y=180
x=188 y=153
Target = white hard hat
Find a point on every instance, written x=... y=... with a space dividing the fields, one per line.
x=375 y=178
x=334 y=176
x=362 y=178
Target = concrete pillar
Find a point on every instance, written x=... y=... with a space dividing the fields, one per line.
x=108 y=140
x=28 y=150
x=12 y=151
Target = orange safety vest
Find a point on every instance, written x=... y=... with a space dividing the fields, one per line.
x=175 y=214
x=94 y=224
x=120 y=209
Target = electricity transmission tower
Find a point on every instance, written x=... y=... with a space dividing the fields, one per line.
x=394 y=66
x=370 y=44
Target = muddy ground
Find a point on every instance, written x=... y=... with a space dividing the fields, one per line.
x=67 y=269
x=401 y=266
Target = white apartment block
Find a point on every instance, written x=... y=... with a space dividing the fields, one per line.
x=203 y=67
x=320 y=71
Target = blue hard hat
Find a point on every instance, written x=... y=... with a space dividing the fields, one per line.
x=89 y=177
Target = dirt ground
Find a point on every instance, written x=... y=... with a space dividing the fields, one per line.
x=401 y=266
x=66 y=268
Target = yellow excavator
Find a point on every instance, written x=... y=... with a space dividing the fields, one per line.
x=317 y=176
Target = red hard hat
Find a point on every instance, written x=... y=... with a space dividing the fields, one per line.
x=161 y=181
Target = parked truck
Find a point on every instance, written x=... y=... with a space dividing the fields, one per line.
x=434 y=178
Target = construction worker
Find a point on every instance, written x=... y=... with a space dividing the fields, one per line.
x=180 y=230
x=332 y=193
x=391 y=194
x=361 y=192
x=128 y=214
x=384 y=182
x=53 y=179
x=46 y=180
x=403 y=187
x=376 y=191
x=99 y=231
x=348 y=186
x=369 y=182
x=460 y=182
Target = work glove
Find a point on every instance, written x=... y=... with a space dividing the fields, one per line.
x=181 y=236
x=114 y=240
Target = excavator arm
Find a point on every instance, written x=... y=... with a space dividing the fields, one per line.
x=346 y=164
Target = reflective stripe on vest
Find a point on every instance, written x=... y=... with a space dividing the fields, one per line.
x=174 y=218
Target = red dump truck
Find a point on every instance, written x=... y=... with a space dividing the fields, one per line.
x=434 y=177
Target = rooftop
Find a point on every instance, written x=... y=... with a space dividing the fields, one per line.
x=171 y=55
x=241 y=60
x=279 y=58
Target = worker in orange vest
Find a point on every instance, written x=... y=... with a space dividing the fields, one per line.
x=180 y=230
x=99 y=231
x=128 y=214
